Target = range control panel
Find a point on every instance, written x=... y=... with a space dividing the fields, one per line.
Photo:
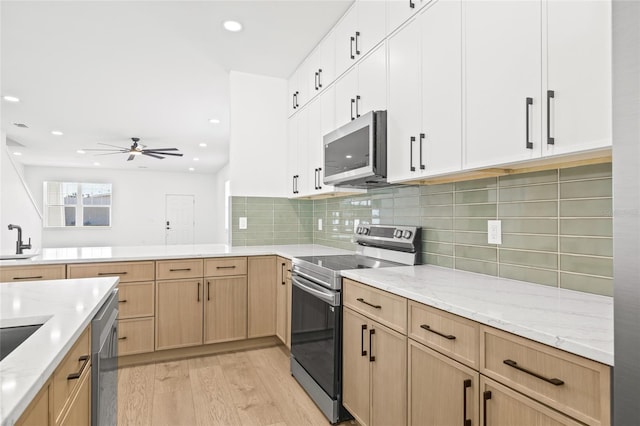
x=406 y=238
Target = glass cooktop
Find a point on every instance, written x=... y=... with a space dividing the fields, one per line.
x=348 y=261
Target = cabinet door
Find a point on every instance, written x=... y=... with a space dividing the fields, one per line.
x=388 y=376
x=79 y=409
x=327 y=71
x=262 y=296
x=579 y=74
x=372 y=82
x=401 y=10
x=178 y=313
x=372 y=28
x=346 y=91
x=404 y=114
x=292 y=154
x=441 y=391
x=327 y=125
x=37 y=413
x=311 y=69
x=305 y=178
x=355 y=365
x=225 y=309
x=291 y=92
x=440 y=141
x=345 y=32
x=282 y=309
x=503 y=51
x=314 y=145
x=502 y=406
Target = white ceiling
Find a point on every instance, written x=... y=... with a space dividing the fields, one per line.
x=106 y=71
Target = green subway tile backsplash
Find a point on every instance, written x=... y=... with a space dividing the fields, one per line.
x=556 y=224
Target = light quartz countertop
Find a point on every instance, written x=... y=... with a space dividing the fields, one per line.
x=132 y=253
x=65 y=308
x=575 y=322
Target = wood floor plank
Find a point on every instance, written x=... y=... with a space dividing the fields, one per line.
x=172 y=376
x=135 y=395
x=212 y=397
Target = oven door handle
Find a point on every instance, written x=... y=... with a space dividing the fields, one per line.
x=308 y=278
x=328 y=296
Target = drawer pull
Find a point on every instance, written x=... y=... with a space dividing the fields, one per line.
x=122 y=301
x=486 y=395
x=372 y=358
x=112 y=273
x=122 y=338
x=554 y=381
x=466 y=384
x=226 y=267
x=179 y=269
x=361 y=300
x=446 y=336
x=28 y=278
x=362 y=351
x=85 y=361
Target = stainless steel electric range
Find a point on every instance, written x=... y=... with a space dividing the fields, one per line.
x=316 y=311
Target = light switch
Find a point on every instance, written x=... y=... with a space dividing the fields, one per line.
x=494 y=231
x=242 y=223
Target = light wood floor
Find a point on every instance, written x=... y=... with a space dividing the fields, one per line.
x=241 y=388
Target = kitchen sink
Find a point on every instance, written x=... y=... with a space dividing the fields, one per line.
x=12 y=337
x=17 y=256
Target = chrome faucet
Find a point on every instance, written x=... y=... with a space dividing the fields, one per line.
x=19 y=245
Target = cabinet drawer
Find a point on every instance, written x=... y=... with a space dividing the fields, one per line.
x=78 y=411
x=135 y=336
x=579 y=387
x=175 y=269
x=127 y=271
x=448 y=334
x=387 y=308
x=32 y=273
x=225 y=266
x=77 y=362
x=135 y=300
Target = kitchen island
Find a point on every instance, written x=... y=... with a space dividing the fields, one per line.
x=65 y=309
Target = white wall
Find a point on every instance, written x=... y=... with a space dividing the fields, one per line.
x=258 y=135
x=16 y=206
x=220 y=232
x=138 y=205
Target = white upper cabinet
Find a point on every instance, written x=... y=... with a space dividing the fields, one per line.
x=424 y=117
x=292 y=155
x=578 y=66
x=359 y=31
x=503 y=94
x=399 y=11
x=363 y=88
x=298 y=130
x=292 y=88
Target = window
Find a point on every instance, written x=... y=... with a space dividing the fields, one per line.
x=71 y=204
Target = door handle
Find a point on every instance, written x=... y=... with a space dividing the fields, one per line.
x=351 y=48
x=362 y=351
x=357 y=37
x=85 y=361
x=553 y=381
x=198 y=294
x=372 y=358
x=486 y=395
x=320 y=78
x=357 y=102
x=319 y=178
x=529 y=102
x=282 y=265
x=411 y=141
x=422 y=166
x=297 y=104
x=315 y=81
x=466 y=385
x=353 y=101
x=315 y=178
x=550 y=95
x=412 y=5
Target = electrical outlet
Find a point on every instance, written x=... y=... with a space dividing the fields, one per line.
x=319 y=224
x=356 y=223
x=242 y=223
x=494 y=231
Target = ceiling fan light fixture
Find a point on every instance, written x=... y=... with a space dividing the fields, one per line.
x=233 y=26
x=81 y=151
x=11 y=98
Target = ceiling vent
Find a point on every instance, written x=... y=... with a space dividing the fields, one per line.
x=24 y=126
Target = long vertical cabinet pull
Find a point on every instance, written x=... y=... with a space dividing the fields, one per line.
x=486 y=395
x=319 y=178
x=293 y=184
x=293 y=100
x=297 y=104
x=353 y=101
x=198 y=294
x=372 y=358
x=320 y=78
x=282 y=265
x=550 y=95
x=527 y=110
x=466 y=385
x=422 y=165
x=315 y=178
x=315 y=81
x=412 y=5
x=351 y=47
x=208 y=290
x=362 y=351
x=357 y=37
x=357 y=103
x=411 y=141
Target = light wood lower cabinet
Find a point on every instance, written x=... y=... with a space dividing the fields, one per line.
x=135 y=336
x=225 y=309
x=135 y=300
x=441 y=390
x=502 y=406
x=32 y=273
x=283 y=301
x=79 y=410
x=37 y=413
x=262 y=296
x=374 y=371
x=179 y=313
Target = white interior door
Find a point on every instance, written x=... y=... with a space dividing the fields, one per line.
x=179 y=224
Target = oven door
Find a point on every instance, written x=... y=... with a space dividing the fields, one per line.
x=316 y=321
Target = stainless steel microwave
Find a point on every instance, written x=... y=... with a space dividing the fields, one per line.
x=355 y=155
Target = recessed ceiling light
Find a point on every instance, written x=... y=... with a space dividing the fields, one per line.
x=96 y=164
x=204 y=145
x=81 y=151
x=196 y=159
x=233 y=26
x=191 y=169
x=11 y=98
x=17 y=153
x=348 y=156
x=214 y=121
x=57 y=132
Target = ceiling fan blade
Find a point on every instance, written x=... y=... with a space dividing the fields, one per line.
x=100 y=149
x=147 y=151
x=131 y=157
x=152 y=155
x=115 y=146
x=110 y=153
x=161 y=149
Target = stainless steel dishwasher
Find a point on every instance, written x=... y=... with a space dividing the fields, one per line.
x=104 y=369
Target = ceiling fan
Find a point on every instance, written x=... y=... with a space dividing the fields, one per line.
x=136 y=150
